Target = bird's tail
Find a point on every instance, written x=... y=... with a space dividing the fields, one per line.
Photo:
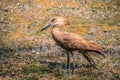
x=101 y=53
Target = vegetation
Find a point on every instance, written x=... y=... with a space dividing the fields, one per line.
x=27 y=54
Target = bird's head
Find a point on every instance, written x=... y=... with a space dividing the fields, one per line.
x=56 y=22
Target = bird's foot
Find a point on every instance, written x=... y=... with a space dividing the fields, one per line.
x=70 y=71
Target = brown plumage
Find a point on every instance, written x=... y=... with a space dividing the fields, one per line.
x=70 y=41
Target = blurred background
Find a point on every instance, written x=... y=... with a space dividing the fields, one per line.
x=21 y=21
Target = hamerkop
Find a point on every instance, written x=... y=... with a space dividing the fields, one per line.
x=72 y=42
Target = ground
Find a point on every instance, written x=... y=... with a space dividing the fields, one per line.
x=28 y=54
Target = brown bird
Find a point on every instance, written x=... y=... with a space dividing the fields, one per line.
x=72 y=42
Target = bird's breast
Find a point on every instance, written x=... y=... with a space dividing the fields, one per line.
x=60 y=39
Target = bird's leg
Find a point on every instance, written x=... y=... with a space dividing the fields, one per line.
x=91 y=59
x=93 y=64
x=72 y=62
x=88 y=58
x=68 y=61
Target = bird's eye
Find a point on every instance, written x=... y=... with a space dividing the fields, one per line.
x=53 y=20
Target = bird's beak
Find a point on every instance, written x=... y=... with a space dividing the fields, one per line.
x=46 y=26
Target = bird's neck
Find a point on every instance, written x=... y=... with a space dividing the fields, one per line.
x=56 y=32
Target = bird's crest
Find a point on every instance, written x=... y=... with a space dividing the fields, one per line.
x=60 y=21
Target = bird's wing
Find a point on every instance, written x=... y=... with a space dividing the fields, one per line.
x=75 y=41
